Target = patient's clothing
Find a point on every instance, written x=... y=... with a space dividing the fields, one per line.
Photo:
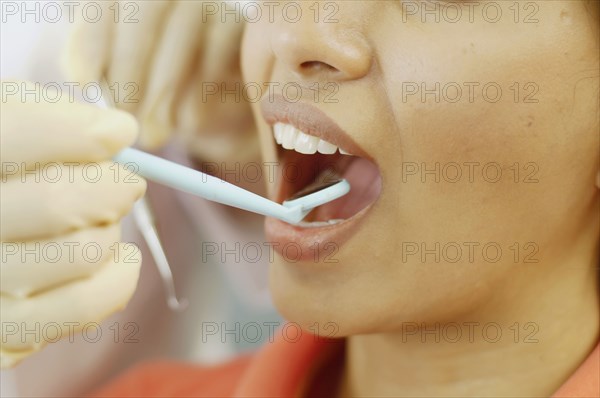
x=282 y=368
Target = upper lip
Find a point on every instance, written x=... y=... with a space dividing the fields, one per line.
x=310 y=120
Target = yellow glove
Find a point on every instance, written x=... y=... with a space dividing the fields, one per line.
x=164 y=60
x=61 y=202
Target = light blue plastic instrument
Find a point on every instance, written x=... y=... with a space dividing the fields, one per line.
x=214 y=189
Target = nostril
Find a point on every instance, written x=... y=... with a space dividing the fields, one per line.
x=316 y=66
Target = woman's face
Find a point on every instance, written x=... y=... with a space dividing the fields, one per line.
x=483 y=127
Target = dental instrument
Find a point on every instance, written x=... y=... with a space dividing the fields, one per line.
x=182 y=178
x=214 y=189
x=144 y=221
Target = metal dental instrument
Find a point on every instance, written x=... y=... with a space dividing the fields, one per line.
x=144 y=220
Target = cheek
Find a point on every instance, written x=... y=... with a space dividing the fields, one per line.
x=478 y=121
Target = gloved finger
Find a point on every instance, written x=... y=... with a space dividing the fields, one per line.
x=30 y=267
x=173 y=62
x=86 y=52
x=83 y=196
x=223 y=145
x=60 y=312
x=219 y=60
x=213 y=129
x=216 y=123
x=218 y=79
x=70 y=132
x=133 y=47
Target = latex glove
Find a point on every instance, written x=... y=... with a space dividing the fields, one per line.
x=57 y=207
x=161 y=65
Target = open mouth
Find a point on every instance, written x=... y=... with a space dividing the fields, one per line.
x=313 y=150
x=308 y=161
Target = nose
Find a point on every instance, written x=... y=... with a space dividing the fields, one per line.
x=311 y=49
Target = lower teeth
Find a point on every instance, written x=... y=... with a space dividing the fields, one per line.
x=315 y=224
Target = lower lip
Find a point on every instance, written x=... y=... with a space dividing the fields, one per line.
x=318 y=244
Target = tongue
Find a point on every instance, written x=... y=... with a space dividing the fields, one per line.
x=365 y=186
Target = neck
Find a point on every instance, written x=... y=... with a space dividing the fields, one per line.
x=526 y=342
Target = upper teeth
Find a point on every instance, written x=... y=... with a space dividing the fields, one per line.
x=290 y=137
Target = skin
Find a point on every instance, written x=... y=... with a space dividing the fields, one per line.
x=373 y=294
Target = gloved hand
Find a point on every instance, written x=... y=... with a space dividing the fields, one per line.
x=61 y=202
x=165 y=59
